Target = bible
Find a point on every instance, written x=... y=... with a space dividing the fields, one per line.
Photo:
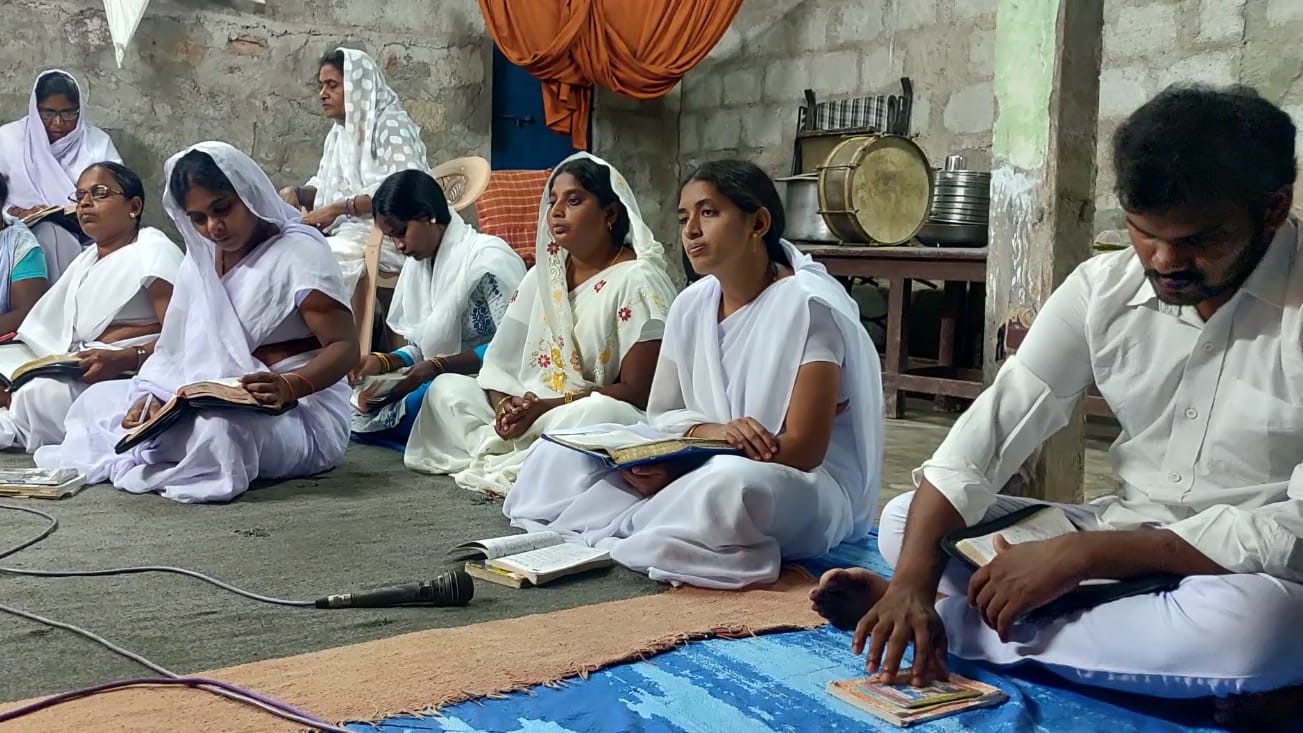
x=218 y=394
x=903 y=706
x=975 y=547
x=39 y=483
x=623 y=449
x=377 y=390
x=19 y=365
x=64 y=216
x=534 y=558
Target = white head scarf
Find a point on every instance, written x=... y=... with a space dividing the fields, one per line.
x=44 y=173
x=214 y=324
x=377 y=138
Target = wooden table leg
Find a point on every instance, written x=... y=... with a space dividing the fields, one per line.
x=952 y=304
x=898 y=297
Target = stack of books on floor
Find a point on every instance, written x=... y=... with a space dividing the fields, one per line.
x=903 y=706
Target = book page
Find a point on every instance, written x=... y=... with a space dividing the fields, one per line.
x=374 y=391
x=548 y=560
x=36 y=476
x=12 y=356
x=1048 y=523
x=605 y=440
x=509 y=545
x=162 y=412
x=228 y=389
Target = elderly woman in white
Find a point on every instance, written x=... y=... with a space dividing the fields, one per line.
x=766 y=353
x=372 y=138
x=44 y=153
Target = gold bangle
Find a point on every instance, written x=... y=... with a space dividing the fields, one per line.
x=570 y=397
x=691 y=430
x=498 y=410
x=438 y=365
x=288 y=385
x=385 y=360
x=311 y=387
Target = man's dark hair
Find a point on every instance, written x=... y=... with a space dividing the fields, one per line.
x=1193 y=144
x=333 y=58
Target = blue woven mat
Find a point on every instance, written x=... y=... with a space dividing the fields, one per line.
x=776 y=683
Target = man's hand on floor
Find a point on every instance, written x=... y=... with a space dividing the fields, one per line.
x=1024 y=577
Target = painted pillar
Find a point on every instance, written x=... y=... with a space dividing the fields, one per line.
x=1047 y=64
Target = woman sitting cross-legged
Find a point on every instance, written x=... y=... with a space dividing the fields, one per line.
x=577 y=345
x=451 y=295
x=108 y=308
x=766 y=353
x=259 y=297
x=23 y=274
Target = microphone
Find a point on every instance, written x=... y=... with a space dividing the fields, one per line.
x=447 y=589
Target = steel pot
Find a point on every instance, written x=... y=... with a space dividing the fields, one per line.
x=804 y=222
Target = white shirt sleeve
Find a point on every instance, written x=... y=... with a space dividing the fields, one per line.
x=1032 y=398
x=824 y=340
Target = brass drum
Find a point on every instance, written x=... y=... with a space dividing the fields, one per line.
x=875 y=189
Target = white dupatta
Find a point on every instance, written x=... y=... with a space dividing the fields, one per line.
x=42 y=173
x=432 y=295
x=86 y=299
x=214 y=323
x=690 y=386
x=537 y=348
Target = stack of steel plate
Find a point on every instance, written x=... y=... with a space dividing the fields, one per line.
x=961 y=207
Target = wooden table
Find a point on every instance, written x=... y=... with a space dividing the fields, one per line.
x=962 y=269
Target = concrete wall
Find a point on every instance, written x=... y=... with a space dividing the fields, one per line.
x=244 y=73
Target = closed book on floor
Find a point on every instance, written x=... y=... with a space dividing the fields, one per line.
x=975 y=547
x=536 y=557
x=904 y=706
x=40 y=483
x=623 y=449
x=219 y=394
x=19 y=365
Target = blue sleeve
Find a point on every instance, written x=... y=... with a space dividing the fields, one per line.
x=479 y=352
x=30 y=267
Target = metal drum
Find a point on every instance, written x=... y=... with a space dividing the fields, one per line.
x=875 y=189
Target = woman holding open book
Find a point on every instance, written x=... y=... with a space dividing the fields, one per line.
x=451 y=295
x=765 y=354
x=44 y=153
x=577 y=345
x=262 y=307
x=23 y=275
x=103 y=315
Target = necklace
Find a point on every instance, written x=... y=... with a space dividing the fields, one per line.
x=618 y=251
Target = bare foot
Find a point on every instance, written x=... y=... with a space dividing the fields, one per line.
x=844 y=595
x=1278 y=710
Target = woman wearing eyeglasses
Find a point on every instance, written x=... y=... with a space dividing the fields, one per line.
x=43 y=154
x=107 y=308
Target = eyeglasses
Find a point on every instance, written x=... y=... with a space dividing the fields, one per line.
x=98 y=193
x=67 y=115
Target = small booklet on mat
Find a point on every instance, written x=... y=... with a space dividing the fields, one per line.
x=376 y=391
x=975 y=547
x=19 y=365
x=39 y=483
x=219 y=394
x=903 y=706
x=64 y=216
x=537 y=557
x=620 y=449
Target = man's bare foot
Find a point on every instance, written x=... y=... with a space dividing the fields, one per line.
x=1278 y=710
x=844 y=595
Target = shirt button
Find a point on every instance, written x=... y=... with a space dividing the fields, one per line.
x=1174 y=477
x=1207 y=347
x=1191 y=413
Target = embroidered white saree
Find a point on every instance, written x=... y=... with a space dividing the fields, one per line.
x=377 y=139
x=551 y=342
x=733 y=521
x=210 y=332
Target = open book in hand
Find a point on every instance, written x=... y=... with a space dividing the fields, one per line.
x=40 y=483
x=622 y=449
x=377 y=390
x=218 y=394
x=19 y=365
x=535 y=557
x=64 y=216
x=975 y=547
x=903 y=706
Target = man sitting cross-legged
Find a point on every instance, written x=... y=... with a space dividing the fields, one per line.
x=1195 y=339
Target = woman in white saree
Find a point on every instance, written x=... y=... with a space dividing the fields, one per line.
x=44 y=153
x=578 y=344
x=259 y=298
x=802 y=401
x=107 y=309
x=372 y=138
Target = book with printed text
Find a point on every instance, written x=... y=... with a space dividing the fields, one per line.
x=218 y=394
x=536 y=557
x=623 y=449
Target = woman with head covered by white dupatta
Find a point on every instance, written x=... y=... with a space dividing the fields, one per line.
x=578 y=344
x=108 y=308
x=767 y=353
x=451 y=295
x=259 y=298
x=372 y=138
x=44 y=153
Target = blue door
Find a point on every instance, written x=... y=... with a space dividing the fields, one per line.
x=521 y=140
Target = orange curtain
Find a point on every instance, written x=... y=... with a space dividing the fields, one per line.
x=636 y=48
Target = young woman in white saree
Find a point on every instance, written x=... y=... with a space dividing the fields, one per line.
x=578 y=343
x=767 y=353
x=259 y=297
x=107 y=309
x=44 y=153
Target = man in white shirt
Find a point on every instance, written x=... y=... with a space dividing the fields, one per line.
x=1194 y=337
